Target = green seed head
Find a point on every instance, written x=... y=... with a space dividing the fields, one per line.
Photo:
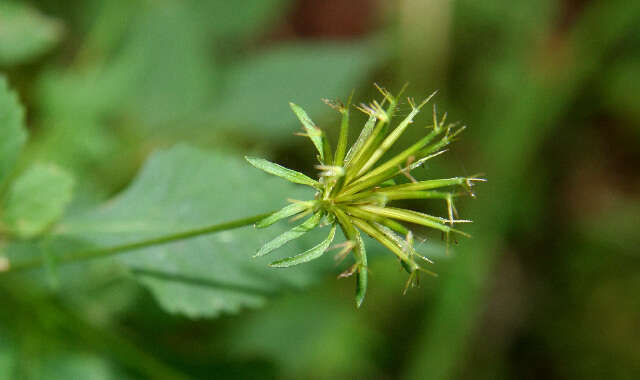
x=356 y=189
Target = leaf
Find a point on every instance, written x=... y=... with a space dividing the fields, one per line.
x=25 y=33
x=315 y=134
x=47 y=360
x=362 y=138
x=323 y=334
x=175 y=75
x=292 y=234
x=362 y=274
x=285 y=212
x=360 y=252
x=183 y=188
x=307 y=256
x=260 y=86
x=64 y=365
x=282 y=172
x=13 y=134
x=238 y=22
x=412 y=217
x=36 y=199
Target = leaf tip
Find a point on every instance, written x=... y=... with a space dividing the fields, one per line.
x=361 y=285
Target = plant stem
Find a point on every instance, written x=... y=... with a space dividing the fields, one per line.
x=108 y=251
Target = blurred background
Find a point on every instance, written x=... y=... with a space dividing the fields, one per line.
x=546 y=288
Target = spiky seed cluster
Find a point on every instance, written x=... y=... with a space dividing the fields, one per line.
x=353 y=189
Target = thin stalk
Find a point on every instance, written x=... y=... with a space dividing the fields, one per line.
x=393 y=136
x=429 y=184
x=368 y=216
x=412 y=217
x=389 y=167
x=383 y=239
x=362 y=155
x=396 y=195
x=341 y=149
x=109 y=251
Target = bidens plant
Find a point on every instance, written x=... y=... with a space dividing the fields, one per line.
x=354 y=189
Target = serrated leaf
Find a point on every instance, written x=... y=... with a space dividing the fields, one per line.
x=284 y=212
x=13 y=135
x=307 y=256
x=25 y=33
x=183 y=188
x=315 y=134
x=292 y=234
x=36 y=199
x=282 y=172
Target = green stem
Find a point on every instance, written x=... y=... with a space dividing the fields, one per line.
x=108 y=251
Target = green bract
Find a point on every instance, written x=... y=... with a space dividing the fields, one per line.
x=354 y=188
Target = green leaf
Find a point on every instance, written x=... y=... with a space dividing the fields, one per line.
x=394 y=135
x=48 y=360
x=378 y=133
x=362 y=138
x=36 y=199
x=260 y=86
x=183 y=188
x=315 y=134
x=343 y=138
x=175 y=75
x=307 y=256
x=285 y=212
x=12 y=132
x=292 y=234
x=370 y=230
x=324 y=336
x=25 y=33
x=360 y=252
x=62 y=365
x=430 y=184
x=412 y=217
x=237 y=22
x=362 y=274
x=282 y=172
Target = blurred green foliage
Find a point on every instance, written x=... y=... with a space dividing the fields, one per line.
x=25 y=33
x=138 y=112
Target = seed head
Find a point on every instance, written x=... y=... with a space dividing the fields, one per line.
x=355 y=188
